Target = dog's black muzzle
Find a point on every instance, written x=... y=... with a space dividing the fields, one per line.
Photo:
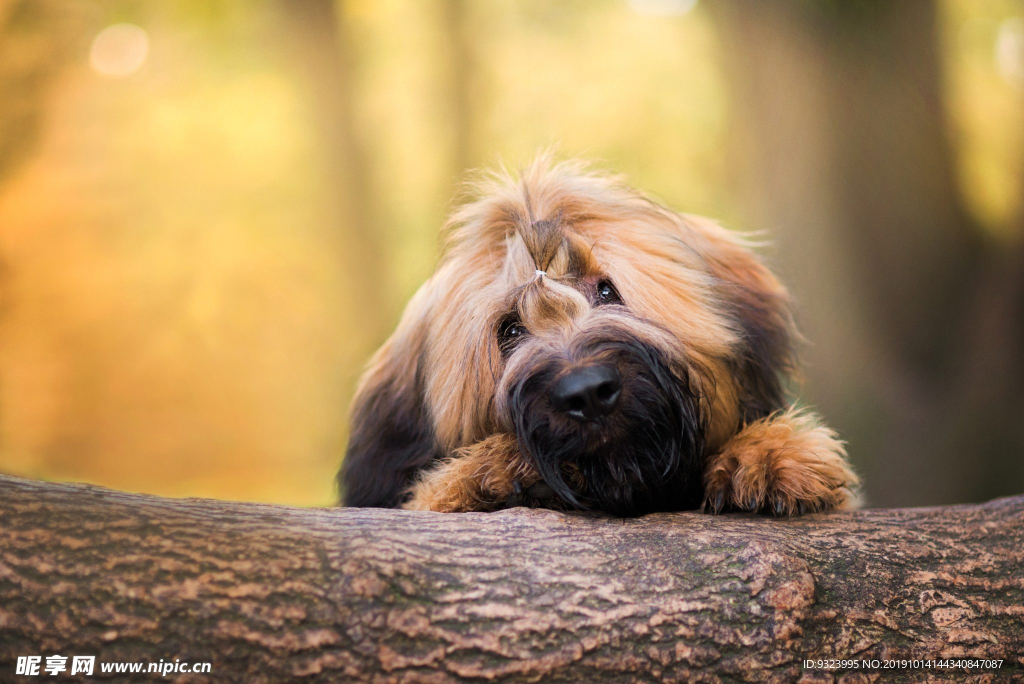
x=612 y=428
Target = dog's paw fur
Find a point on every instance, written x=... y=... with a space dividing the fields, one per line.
x=785 y=464
x=485 y=476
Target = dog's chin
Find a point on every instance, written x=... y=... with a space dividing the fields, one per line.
x=650 y=468
x=645 y=457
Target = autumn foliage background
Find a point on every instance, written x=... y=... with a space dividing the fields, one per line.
x=212 y=212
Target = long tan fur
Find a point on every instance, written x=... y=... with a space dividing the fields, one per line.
x=537 y=243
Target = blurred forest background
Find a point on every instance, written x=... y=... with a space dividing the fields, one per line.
x=211 y=212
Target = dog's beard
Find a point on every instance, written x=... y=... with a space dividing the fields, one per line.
x=645 y=456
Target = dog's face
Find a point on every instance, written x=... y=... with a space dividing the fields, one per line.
x=618 y=341
x=603 y=398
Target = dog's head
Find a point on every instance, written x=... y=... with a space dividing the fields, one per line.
x=617 y=340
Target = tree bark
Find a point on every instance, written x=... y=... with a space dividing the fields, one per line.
x=271 y=593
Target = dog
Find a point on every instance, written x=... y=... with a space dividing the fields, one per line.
x=583 y=347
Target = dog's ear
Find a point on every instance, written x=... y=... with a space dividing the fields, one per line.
x=390 y=432
x=761 y=310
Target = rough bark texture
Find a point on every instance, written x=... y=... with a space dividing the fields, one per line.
x=269 y=593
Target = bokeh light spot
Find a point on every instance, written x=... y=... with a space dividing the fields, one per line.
x=662 y=8
x=1010 y=51
x=119 y=50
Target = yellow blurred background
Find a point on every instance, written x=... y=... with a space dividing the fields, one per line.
x=212 y=212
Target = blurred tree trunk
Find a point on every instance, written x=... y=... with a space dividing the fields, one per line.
x=322 y=55
x=842 y=135
x=36 y=38
x=460 y=70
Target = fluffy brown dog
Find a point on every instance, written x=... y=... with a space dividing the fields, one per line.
x=581 y=346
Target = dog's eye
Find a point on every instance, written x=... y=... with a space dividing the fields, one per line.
x=607 y=294
x=510 y=332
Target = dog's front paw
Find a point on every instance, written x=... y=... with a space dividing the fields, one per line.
x=784 y=465
x=440 y=497
x=480 y=477
x=536 y=495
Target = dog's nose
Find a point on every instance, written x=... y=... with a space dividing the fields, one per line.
x=585 y=394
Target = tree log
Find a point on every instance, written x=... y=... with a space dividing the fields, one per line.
x=272 y=593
